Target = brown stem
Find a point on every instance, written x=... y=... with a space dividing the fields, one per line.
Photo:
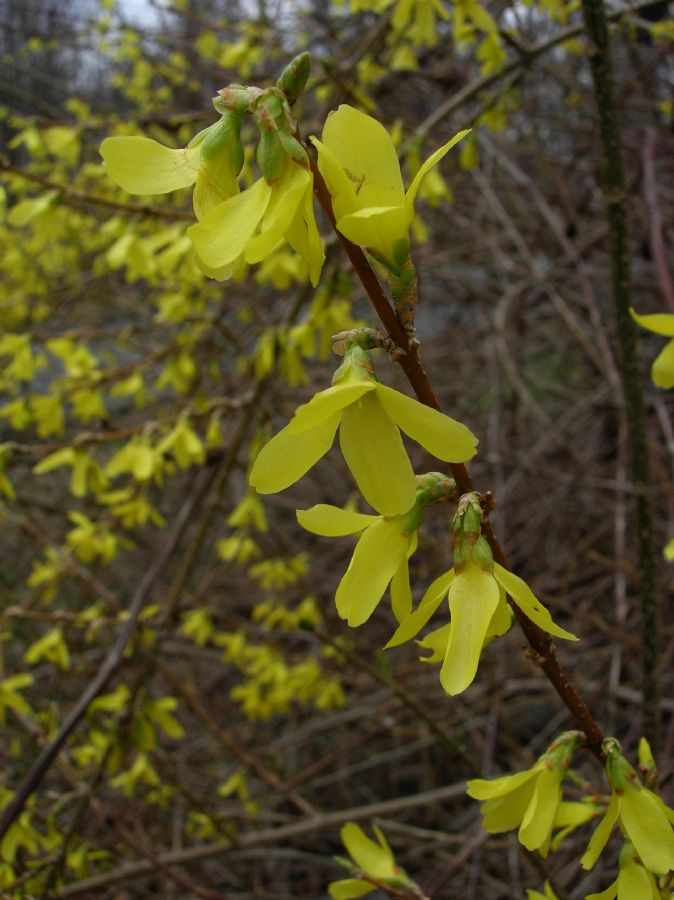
x=545 y=654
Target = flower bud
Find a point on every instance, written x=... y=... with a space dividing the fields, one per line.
x=294 y=77
x=237 y=97
x=270 y=156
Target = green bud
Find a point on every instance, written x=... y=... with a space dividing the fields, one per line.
x=560 y=752
x=293 y=148
x=225 y=135
x=270 y=156
x=437 y=488
x=269 y=108
x=482 y=555
x=294 y=77
x=618 y=770
x=647 y=767
x=401 y=253
x=472 y=519
x=235 y=96
x=357 y=366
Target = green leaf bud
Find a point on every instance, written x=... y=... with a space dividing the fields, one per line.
x=293 y=79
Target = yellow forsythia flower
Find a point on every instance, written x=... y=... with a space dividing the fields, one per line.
x=634 y=881
x=643 y=817
x=371 y=859
x=358 y=160
x=527 y=799
x=369 y=416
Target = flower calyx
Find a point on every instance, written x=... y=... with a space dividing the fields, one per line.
x=469 y=544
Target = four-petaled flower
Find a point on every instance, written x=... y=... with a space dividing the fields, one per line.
x=478 y=610
x=527 y=799
x=380 y=558
x=634 y=881
x=359 y=163
x=373 y=860
x=644 y=819
x=662 y=370
x=369 y=416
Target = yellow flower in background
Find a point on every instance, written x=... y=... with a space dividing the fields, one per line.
x=662 y=371
x=358 y=160
x=369 y=416
x=548 y=893
x=479 y=612
x=527 y=799
x=643 y=817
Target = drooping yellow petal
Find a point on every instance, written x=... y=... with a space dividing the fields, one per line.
x=659 y=323
x=221 y=236
x=473 y=598
x=285 y=199
x=326 y=403
x=648 y=829
x=540 y=815
x=367 y=154
x=601 y=834
x=331 y=521
x=143 y=166
x=378 y=553
x=445 y=438
x=285 y=459
x=413 y=624
x=636 y=883
x=401 y=591
x=610 y=893
x=432 y=160
x=374 y=451
x=302 y=235
x=532 y=608
x=662 y=370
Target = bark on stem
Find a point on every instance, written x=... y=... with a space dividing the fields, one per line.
x=613 y=186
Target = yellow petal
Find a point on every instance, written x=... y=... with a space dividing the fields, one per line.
x=374 y=451
x=302 y=235
x=215 y=183
x=432 y=160
x=342 y=188
x=659 y=323
x=662 y=371
x=378 y=228
x=372 y=858
x=347 y=888
x=142 y=166
x=505 y=813
x=490 y=788
x=331 y=521
x=286 y=197
x=601 y=834
x=368 y=156
x=285 y=459
x=648 y=829
x=532 y=608
x=378 y=553
x=222 y=235
x=445 y=438
x=635 y=883
x=401 y=592
x=436 y=641
x=540 y=815
x=473 y=598
x=413 y=624
x=326 y=403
